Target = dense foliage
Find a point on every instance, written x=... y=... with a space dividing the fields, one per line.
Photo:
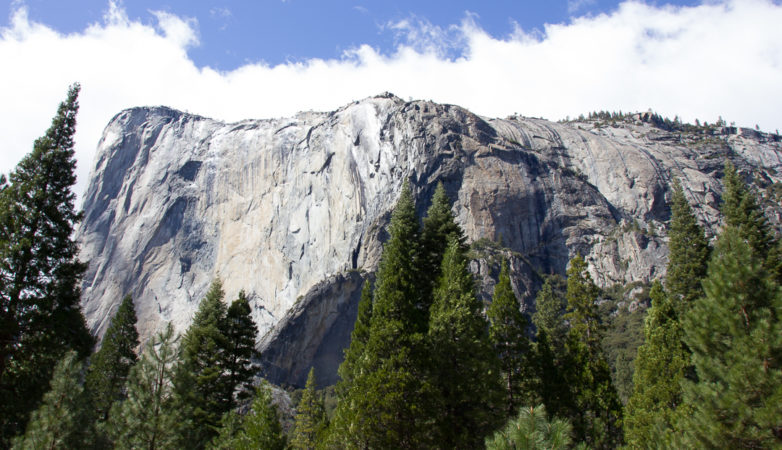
x=40 y=314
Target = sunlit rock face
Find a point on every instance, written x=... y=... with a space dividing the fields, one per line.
x=290 y=209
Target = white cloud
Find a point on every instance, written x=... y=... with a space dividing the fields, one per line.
x=574 y=6
x=705 y=61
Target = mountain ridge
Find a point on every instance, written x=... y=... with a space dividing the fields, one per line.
x=279 y=206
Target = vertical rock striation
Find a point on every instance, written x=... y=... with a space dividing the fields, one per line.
x=289 y=209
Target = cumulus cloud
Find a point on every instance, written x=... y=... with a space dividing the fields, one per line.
x=722 y=58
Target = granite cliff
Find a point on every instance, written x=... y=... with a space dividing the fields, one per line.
x=294 y=210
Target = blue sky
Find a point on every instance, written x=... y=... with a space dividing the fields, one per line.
x=233 y=33
x=233 y=60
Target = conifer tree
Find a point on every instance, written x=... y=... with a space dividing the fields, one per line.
x=735 y=336
x=339 y=432
x=40 y=314
x=311 y=421
x=201 y=386
x=507 y=332
x=358 y=338
x=532 y=429
x=61 y=420
x=550 y=359
x=465 y=370
x=439 y=226
x=689 y=253
x=149 y=417
x=387 y=397
x=742 y=211
x=259 y=429
x=597 y=417
x=659 y=371
x=109 y=366
x=239 y=333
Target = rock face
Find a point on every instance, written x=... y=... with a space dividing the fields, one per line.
x=290 y=209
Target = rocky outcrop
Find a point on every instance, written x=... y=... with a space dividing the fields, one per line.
x=288 y=209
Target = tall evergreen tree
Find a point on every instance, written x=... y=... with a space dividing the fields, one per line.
x=388 y=395
x=311 y=421
x=358 y=338
x=439 y=226
x=61 y=422
x=148 y=417
x=689 y=253
x=597 y=418
x=259 y=429
x=109 y=366
x=735 y=335
x=550 y=361
x=339 y=432
x=465 y=370
x=239 y=331
x=508 y=333
x=200 y=384
x=532 y=429
x=40 y=315
x=742 y=211
x=652 y=409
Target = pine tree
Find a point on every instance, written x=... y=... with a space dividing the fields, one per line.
x=339 y=432
x=532 y=429
x=439 y=226
x=549 y=353
x=598 y=414
x=60 y=421
x=148 y=417
x=311 y=421
x=465 y=370
x=688 y=255
x=742 y=211
x=358 y=338
x=508 y=334
x=239 y=333
x=40 y=314
x=109 y=366
x=652 y=409
x=550 y=308
x=386 y=399
x=735 y=335
x=201 y=386
x=259 y=429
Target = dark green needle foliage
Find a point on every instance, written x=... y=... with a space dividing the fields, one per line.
x=532 y=429
x=339 y=433
x=40 y=314
x=439 y=226
x=201 y=387
x=689 y=253
x=735 y=336
x=149 y=417
x=508 y=333
x=742 y=211
x=311 y=421
x=259 y=429
x=109 y=366
x=358 y=338
x=652 y=409
x=240 y=333
x=384 y=406
x=550 y=359
x=597 y=417
x=465 y=370
x=61 y=422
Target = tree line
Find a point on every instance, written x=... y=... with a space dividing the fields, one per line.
x=429 y=365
